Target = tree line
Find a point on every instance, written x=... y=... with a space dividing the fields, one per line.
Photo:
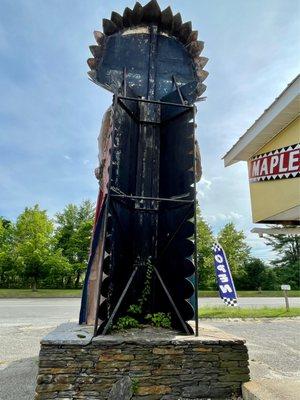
x=50 y=253
x=248 y=272
x=39 y=251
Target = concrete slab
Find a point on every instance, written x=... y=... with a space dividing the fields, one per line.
x=271 y=389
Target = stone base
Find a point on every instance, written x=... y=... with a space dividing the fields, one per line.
x=141 y=364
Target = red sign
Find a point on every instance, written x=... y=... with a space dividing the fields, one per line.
x=278 y=164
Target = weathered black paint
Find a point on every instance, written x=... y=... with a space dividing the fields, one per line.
x=155 y=83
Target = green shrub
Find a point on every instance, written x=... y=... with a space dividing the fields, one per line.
x=160 y=320
x=126 y=323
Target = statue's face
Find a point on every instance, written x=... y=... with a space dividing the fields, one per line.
x=130 y=49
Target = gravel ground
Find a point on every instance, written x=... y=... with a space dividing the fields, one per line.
x=274 y=346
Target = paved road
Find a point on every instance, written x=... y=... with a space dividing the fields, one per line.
x=255 y=302
x=273 y=344
x=24 y=321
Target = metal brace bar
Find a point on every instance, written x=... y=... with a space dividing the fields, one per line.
x=178 y=89
x=171 y=301
x=110 y=320
x=152 y=198
x=129 y=112
x=119 y=191
x=165 y=103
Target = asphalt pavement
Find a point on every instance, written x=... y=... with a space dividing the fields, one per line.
x=273 y=343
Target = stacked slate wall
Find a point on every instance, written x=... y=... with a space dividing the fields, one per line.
x=158 y=367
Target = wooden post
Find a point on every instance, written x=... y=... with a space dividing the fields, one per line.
x=285 y=289
x=287 y=306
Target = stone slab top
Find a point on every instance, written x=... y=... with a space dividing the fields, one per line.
x=73 y=334
x=69 y=333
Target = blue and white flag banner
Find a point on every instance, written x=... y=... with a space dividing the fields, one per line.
x=225 y=282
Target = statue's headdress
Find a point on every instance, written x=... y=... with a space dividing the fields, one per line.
x=122 y=43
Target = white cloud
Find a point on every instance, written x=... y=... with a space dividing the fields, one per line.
x=206 y=183
x=232 y=215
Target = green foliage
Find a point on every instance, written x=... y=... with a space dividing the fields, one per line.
x=147 y=286
x=287 y=247
x=257 y=276
x=36 y=251
x=160 y=320
x=134 y=385
x=287 y=265
x=135 y=309
x=205 y=258
x=73 y=237
x=39 y=251
x=58 y=270
x=288 y=274
x=126 y=322
x=7 y=261
x=236 y=249
x=33 y=243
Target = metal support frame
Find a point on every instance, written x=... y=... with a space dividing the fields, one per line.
x=115 y=310
x=117 y=195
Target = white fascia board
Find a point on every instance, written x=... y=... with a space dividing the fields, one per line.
x=239 y=151
x=277 y=231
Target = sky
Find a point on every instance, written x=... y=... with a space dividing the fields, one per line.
x=50 y=113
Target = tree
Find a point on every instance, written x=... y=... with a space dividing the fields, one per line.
x=7 y=264
x=270 y=281
x=254 y=270
x=287 y=265
x=58 y=270
x=258 y=275
x=287 y=247
x=33 y=242
x=205 y=257
x=236 y=249
x=288 y=274
x=73 y=236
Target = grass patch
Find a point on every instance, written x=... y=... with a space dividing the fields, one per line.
x=41 y=293
x=251 y=293
x=235 y=312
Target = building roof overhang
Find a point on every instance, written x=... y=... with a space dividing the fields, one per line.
x=274 y=119
x=293 y=230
